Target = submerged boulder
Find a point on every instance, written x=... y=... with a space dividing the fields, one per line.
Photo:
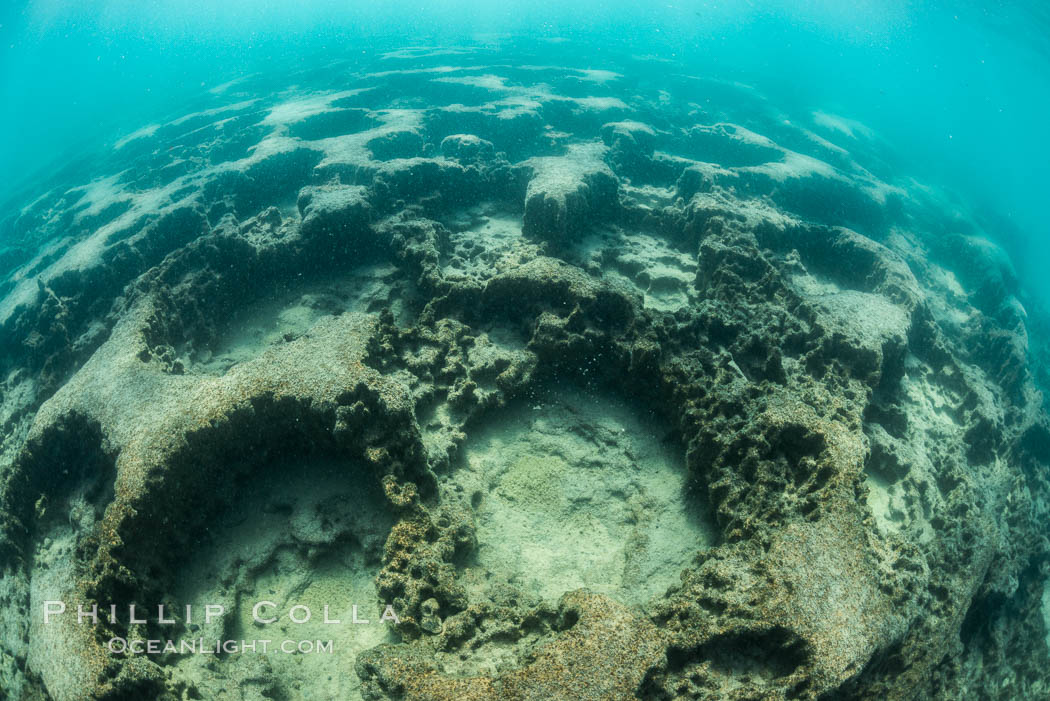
x=566 y=194
x=467 y=148
x=333 y=210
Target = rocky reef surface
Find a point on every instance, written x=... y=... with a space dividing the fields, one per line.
x=613 y=384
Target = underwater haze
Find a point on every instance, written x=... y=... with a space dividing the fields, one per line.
x=960 y=90
x=477 y=351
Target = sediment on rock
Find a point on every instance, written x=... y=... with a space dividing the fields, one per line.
x=506 y=311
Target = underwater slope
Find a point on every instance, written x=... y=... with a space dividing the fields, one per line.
x=612 y=386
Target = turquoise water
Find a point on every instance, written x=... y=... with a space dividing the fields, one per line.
x=959 y=89
x=591 y=352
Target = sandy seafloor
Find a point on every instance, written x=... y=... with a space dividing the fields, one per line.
x=612 y=383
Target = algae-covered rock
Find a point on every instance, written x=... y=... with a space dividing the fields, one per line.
x=567 y=194
x=335 y=212
x=467 y=147
x=545 y=383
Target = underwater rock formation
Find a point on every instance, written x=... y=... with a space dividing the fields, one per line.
x=568 y=193
x=607 y=396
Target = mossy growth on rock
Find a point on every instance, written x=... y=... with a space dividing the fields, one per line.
x=604 y=393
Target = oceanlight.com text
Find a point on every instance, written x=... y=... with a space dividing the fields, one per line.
x=201 y=646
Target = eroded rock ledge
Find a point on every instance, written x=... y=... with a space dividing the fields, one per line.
x=367 y=276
